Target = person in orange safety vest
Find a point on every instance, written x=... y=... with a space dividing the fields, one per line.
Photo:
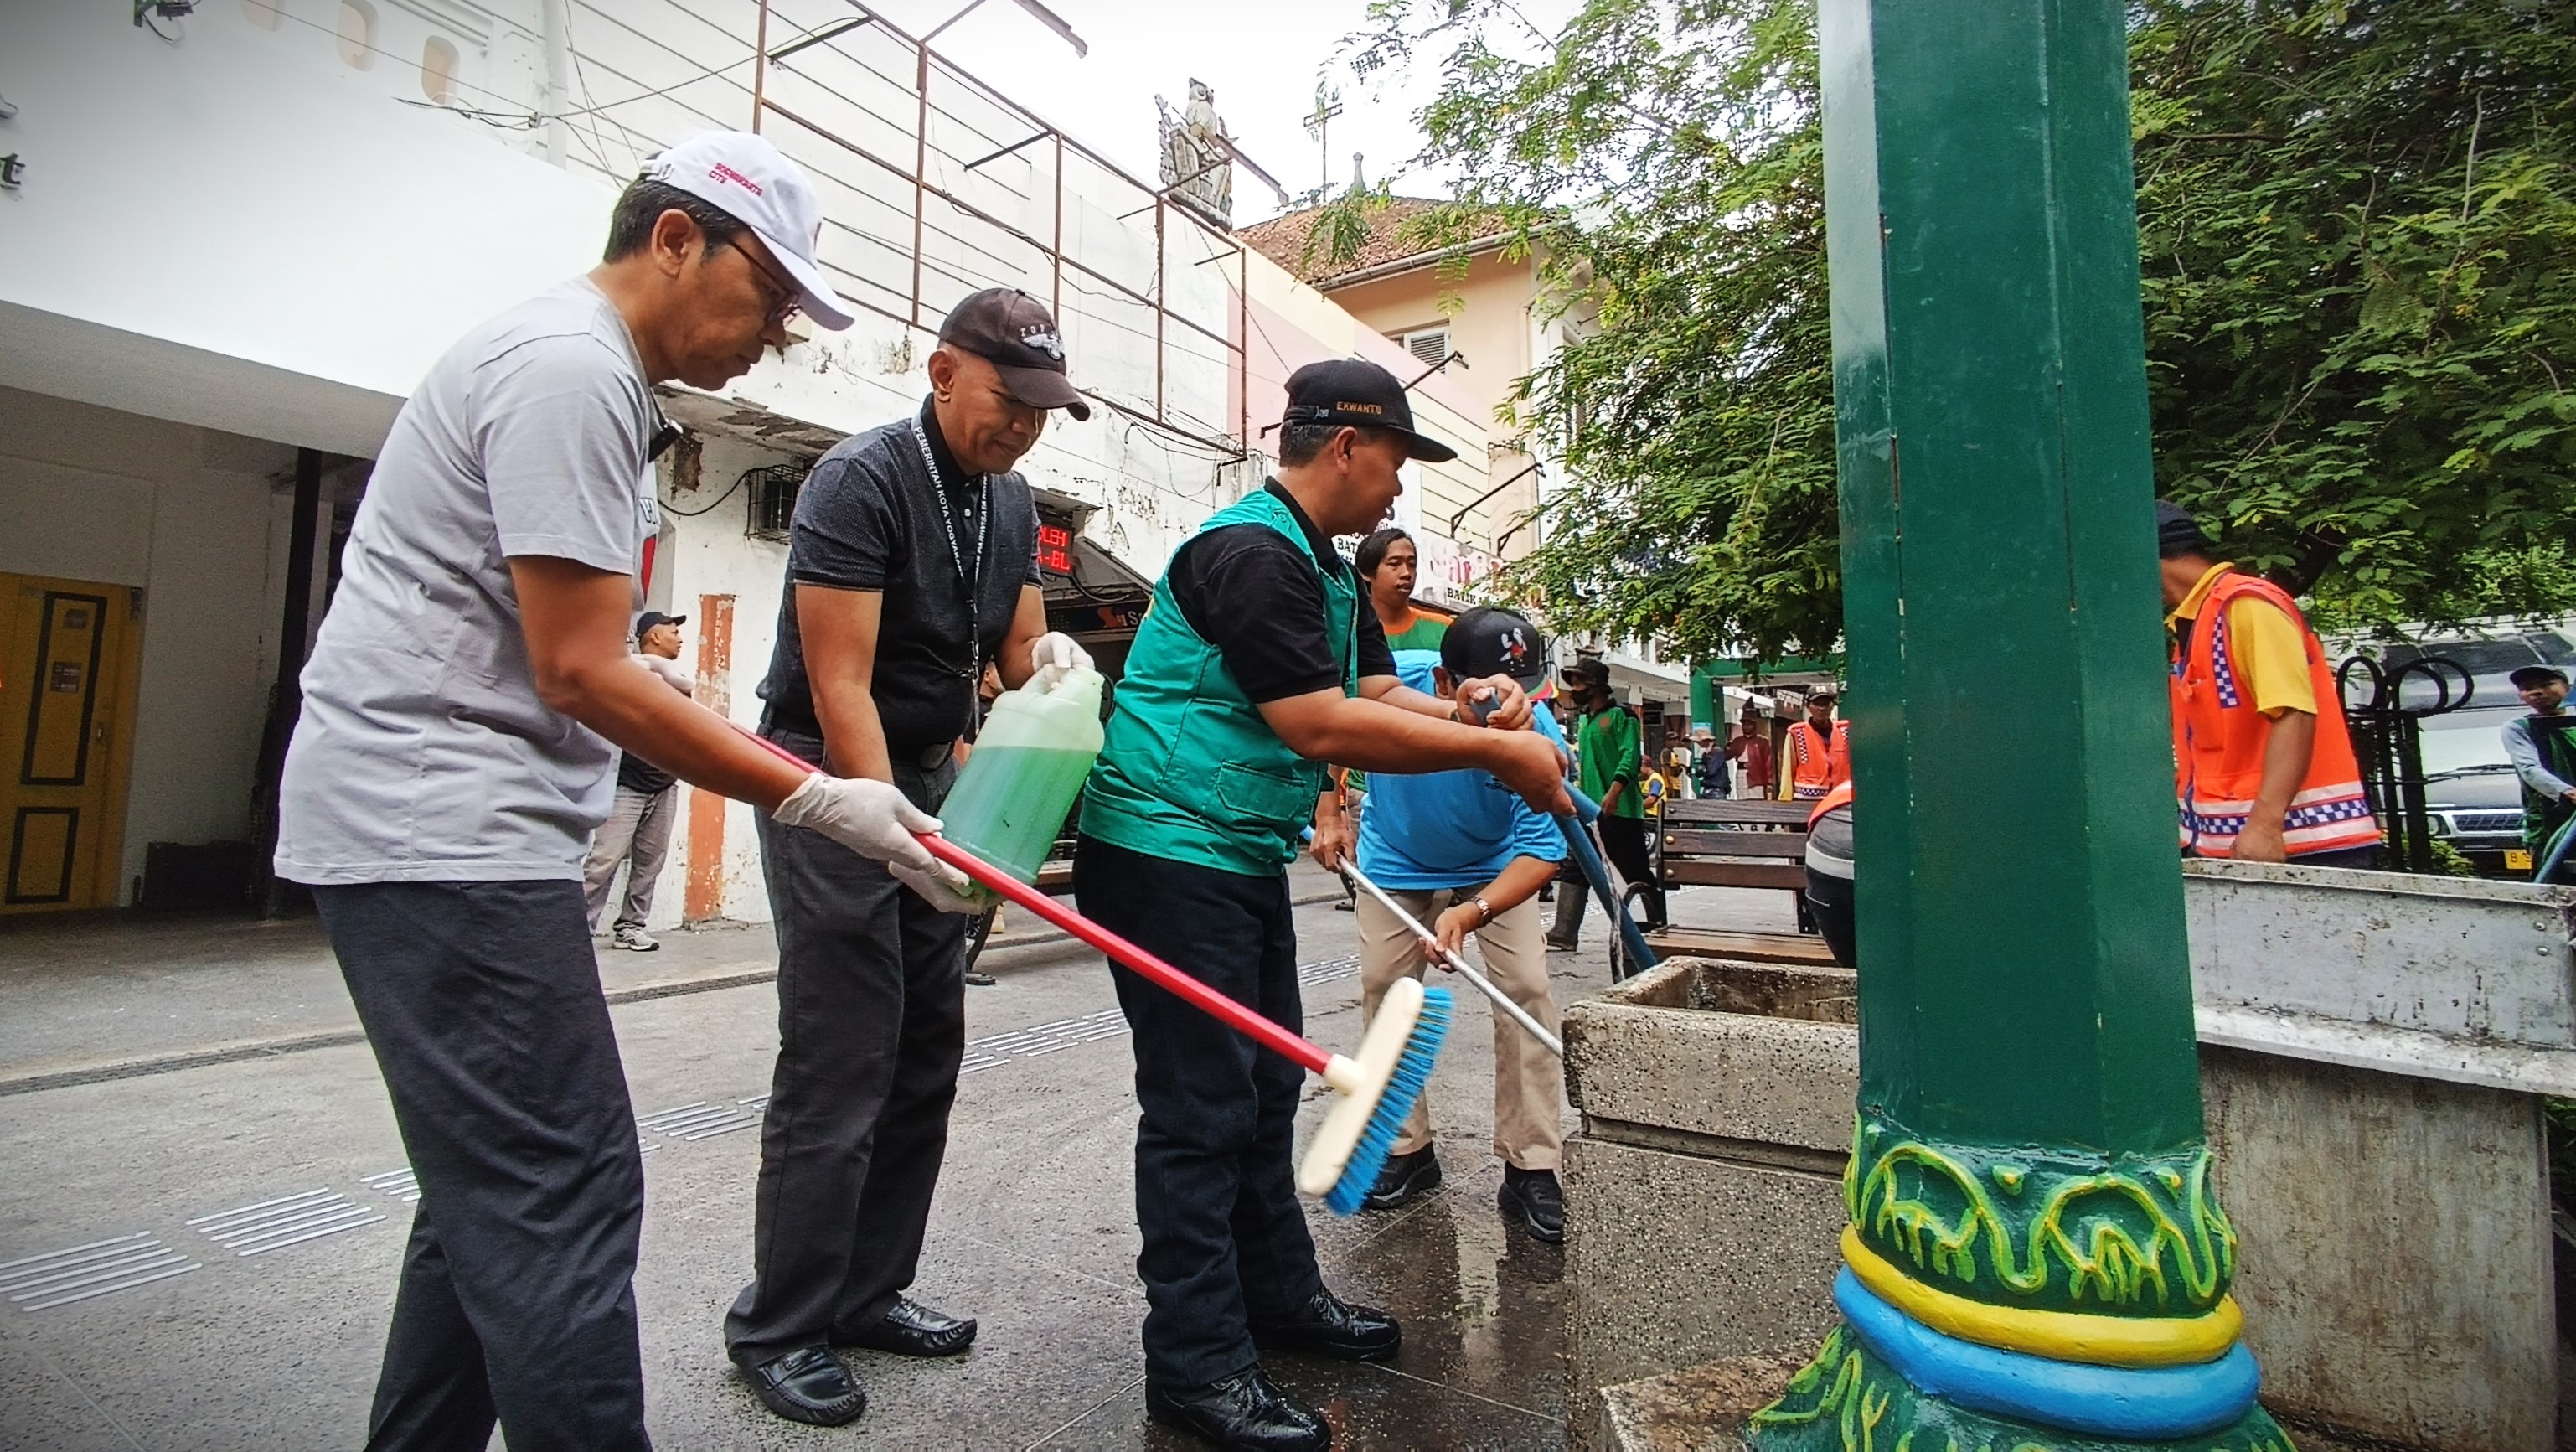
x=1819 y=749
x=2264 y=768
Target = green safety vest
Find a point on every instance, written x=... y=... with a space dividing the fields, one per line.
x=1189 y=770
x=2543 y=816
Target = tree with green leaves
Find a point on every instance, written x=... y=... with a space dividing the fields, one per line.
x=2358 y=233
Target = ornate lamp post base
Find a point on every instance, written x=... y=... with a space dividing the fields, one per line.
x=1852 y=1399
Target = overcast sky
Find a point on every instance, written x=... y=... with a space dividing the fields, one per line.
x=1262 y=59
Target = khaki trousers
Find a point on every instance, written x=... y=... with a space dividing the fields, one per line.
x=1529 y=1082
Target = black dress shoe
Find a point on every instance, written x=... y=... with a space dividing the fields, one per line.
x=910 y=1328
x=1243 y=1410
x=1534 y=1198
x=1404 y=1178
x=1331 y=1326
x=807 y=1385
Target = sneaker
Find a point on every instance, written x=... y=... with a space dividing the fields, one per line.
x=634 y=940
x=1405 y=1178
x=1534 y=1200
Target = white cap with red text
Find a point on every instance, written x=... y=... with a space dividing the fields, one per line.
x=755 y=184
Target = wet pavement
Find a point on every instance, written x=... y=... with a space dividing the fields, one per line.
x=241 y=1317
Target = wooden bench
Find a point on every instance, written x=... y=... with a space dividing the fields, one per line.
x=1731 y=843
x=1735 y=844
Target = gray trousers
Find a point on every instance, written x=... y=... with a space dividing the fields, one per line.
x=638 y=827
x=871 y=1029
x=517 y=1299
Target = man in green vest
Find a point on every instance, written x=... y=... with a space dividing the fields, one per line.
x=1256 y=664
x=2542 y=748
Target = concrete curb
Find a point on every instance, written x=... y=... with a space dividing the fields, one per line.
x=172 y=1061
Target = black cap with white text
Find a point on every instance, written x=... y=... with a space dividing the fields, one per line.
x=1361 y=395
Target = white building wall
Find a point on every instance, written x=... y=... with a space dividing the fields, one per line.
x=192 y=516
x=240 y=231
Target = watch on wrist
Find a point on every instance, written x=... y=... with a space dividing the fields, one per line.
x=1485 y=909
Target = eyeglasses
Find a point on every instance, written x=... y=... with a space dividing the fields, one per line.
x=792 y=298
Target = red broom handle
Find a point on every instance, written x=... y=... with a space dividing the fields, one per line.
x=1260 y=1030
x=1172 y=980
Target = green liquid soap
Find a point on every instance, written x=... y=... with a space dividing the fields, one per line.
x=1020 y=782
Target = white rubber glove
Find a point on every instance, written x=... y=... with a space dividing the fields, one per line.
x=673 y=674
x=1052 y=656
x=873 y=819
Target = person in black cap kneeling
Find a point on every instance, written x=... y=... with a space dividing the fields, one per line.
x=1256 y=664
x=912 y=562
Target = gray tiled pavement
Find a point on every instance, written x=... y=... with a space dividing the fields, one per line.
x=1033 y=1231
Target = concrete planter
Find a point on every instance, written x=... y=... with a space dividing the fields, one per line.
x=2373 y=1047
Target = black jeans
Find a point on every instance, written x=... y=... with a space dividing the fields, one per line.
x=1623 y=840
x=517 y=1301
x=871 y=1028
x=1829 y=902
x=1216 y=1192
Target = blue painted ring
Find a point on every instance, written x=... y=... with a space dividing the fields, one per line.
x=2136 y=1402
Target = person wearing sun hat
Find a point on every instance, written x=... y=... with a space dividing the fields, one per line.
x=462 y=713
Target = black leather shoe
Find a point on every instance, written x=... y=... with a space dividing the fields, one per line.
x=1331 y=1326
x=910 y=1328
x=1243 y=1410
x=1404 y=1178
x=807 y=1385
x=1536 y=1201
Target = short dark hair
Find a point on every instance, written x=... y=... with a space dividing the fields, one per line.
x=1299 y=443
x=2178 y=534
x=630 y=224
x=1372 y=551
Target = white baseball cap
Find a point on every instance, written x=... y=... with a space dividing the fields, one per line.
x=755 y=184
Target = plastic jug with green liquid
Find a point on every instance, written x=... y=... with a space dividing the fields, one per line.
x=1028 y=766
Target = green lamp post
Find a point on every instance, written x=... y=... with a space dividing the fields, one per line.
x=2036 y=1258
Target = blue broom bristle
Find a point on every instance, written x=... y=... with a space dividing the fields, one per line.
x=1412 y=1075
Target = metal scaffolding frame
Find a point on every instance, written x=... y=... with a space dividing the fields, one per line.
x=927 y=64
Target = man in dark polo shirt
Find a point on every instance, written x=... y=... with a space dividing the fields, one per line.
x=912 y=562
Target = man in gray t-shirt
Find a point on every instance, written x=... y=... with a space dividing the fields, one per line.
x=455 y=752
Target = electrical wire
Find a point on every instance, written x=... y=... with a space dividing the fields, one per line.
x=730 y=490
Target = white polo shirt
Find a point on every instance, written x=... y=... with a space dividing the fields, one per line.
x=423 y=753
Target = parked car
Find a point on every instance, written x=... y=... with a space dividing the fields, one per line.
x=2486 y=659
x=2471 y=797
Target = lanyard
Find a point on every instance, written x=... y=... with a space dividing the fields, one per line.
x=972 y=669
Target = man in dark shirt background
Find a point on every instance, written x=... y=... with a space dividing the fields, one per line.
x=637 y=833
x=912 y=562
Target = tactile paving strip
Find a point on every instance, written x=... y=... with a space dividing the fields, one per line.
x=76 y=1273
x=699 y=1120
x=399 y=1184
x=284 y=1221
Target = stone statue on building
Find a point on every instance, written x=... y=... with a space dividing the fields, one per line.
x=1198 y=160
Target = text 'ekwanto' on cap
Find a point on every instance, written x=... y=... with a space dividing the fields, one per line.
x=1017 y=335
x=1356 y=393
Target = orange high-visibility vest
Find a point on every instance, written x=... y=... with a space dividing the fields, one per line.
x=1840 y=796
x=1818 y=762
x=2219 y=736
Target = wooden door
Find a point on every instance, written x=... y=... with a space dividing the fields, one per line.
x=67 y=658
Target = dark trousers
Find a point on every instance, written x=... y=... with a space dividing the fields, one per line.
x=871 y=1028
x=1829 y=903
x=1216 y=1192
x=517 y=1301
x=1623 y=840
